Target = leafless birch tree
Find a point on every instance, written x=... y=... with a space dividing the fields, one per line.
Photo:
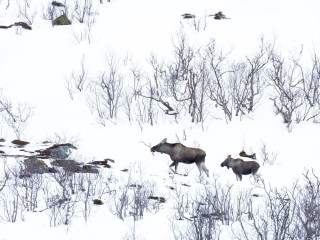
x=16 y=116
x=247 y=80
x=105 y=97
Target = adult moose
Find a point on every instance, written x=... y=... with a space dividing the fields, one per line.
x=240 y=167
x=182 y=154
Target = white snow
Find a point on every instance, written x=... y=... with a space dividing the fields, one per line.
x=34 y=66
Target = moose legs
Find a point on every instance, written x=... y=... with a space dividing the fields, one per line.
x=202 y=167
x=200 y=164
x=256 y=179
x=175 y=164
x=239 y=176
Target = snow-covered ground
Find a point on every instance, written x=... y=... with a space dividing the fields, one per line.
x=35 y=65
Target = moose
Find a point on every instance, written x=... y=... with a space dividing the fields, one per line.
x=240 y=167
x=182 y=154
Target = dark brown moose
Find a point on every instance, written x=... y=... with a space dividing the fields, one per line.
x=240 y=167
x=182 y=154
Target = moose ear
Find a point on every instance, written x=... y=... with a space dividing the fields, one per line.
x=164 y=141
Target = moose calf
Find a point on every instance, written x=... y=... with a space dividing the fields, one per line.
x=240 y=167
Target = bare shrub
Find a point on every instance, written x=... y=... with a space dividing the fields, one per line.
x=8 y=4
x=120 y=204
x=201 y=225
x=311 y=89
x=146 y=94
x=204 y=224
x=62 y=204
x=78 y=81
x=177 y=86
x=219 y=201
x=25 y=11
x=30 y=189
x=266 y=156
x=307 y=222
x=60 y=209
x=272 y=217
x=11 y=207
x=209 y=210
x=247 y=80
x=188 y=78
x=205 y=211
x=296 y=93
x=133 y=197
x=52 y=11
x=70 y=194
x=4 y=179
x=88 y=188
x=244 y=205
x=17 y=116
x=105 y=97
x=60 y=138
x=218 y=86
x=83 y=9
x=59 y=206
x=198 y=23
x=128 y=102
x=85 y=33
x=140 y=200
x=157 y=90
x=181 y=203
x=288 y=97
